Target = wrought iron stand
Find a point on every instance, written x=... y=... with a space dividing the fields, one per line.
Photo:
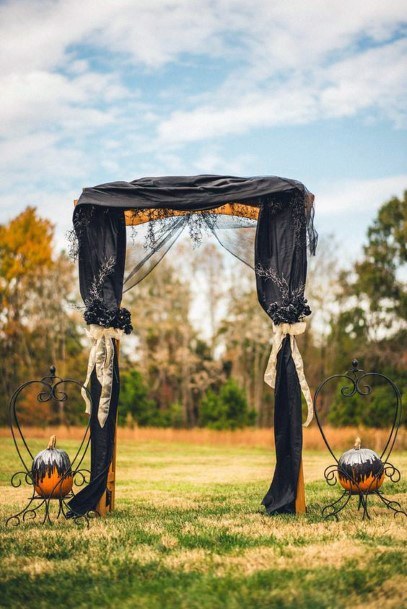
x=356 y=384
x=49 y=388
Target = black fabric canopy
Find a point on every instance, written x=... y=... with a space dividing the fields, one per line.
x=186 y=193
x=284 y=211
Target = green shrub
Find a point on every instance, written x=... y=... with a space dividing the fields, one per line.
x=134 y=403
x=227 y=409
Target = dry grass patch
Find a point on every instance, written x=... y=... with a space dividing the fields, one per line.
x=311 y=557
x=202 y=470
x=250 y=561
x=188 y=561
x=30 y=567
x=326 y=554
x=342 y=438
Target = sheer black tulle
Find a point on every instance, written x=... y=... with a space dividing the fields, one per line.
x=150 y=242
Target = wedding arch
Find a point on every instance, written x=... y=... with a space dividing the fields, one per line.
x=266 y=222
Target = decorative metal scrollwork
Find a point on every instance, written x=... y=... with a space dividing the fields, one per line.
x=40 y=508
x=357 y=382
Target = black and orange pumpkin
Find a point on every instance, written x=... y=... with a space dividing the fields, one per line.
x=52 y=472
x=360 y=470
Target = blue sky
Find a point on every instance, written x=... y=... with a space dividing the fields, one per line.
x=99 y=91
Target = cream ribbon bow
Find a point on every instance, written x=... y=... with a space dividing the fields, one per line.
x=280 y=332
x=101 y=357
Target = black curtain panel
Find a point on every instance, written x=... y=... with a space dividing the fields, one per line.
x=101 y=236
x=279 y=239
x=281 y=264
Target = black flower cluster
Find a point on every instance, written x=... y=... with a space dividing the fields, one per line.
x=289 y=312
x=98 y=313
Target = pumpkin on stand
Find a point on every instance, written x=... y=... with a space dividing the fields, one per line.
x=52 y=472
x=360 y=470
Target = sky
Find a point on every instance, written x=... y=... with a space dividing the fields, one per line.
x=93 y=92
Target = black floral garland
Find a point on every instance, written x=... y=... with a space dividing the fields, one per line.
x=97 y=313
x=289 y=312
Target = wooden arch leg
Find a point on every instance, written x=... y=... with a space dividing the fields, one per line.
x=300 y=507
x=107 y=500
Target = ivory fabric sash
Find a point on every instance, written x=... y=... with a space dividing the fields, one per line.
x=280 y=332
x=101 y=357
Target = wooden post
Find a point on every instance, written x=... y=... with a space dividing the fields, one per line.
x=300 y=507
x=107 y=500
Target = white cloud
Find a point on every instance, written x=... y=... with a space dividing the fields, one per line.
x=37 y=35
x=299 y=61
x=357 y=196
x=373 y=80
x=45 y=99
x=296 y=35
x=213 y=161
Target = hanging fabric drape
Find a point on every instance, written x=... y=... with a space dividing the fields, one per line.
x=101 y=235
x=264 y=221
x=281 y=265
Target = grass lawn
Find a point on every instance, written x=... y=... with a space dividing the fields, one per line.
x=189 y=532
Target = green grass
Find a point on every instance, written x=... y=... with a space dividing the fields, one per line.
x=189 y=532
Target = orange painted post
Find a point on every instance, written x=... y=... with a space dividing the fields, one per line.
x=107 y=500
x=300 y=507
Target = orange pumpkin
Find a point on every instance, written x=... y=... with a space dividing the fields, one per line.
x=52 y=472
x=360 y=470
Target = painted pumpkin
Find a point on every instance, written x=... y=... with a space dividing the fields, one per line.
x=360 y=470
x=52 y=473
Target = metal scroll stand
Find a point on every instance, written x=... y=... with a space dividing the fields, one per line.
x=49 y=388
x=356 y=384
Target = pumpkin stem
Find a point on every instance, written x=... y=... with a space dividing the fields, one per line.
x=358 y=442
x=52 y=442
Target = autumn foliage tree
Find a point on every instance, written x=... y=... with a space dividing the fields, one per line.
x=37 y=325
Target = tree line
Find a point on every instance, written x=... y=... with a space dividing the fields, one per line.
x=172 y=373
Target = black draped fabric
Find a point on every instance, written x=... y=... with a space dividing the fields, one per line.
x=101 y=236
x=185 y=193
x=102 y=252
x=280 y=498
x=281 y=260
x=284 y=224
